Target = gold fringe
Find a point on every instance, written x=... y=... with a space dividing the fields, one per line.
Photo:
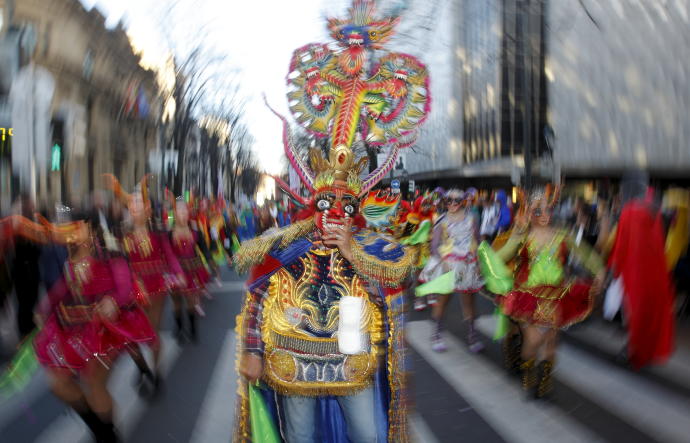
x=397 y=381
x=252 y=252
x=243 y=431
x=388 y=273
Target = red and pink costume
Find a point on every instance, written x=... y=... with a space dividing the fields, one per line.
x=192 y=262
x=153 y=262
x=73 y=332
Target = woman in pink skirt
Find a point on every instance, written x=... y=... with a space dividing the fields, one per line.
x=89 y=317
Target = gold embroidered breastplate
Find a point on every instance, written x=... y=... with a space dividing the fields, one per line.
x=300 y=326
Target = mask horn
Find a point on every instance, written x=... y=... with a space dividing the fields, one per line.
x=381 y=171
x=303 y=171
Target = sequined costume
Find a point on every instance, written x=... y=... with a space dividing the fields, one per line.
x=543 y=293
x=73 y=334
x=329 y=329
x=291 y=318
x=189 y=254
x=454 y=247
x=152 y=261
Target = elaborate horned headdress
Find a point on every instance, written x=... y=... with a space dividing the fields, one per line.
x=333 y=94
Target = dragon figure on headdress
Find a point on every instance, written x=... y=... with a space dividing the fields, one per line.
x=333 y=93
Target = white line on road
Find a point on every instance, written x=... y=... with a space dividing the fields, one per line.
x=638 y=401
x=419 y=431
x=217 y=414
x=498 y=400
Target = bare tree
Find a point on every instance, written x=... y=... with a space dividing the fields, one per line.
x=242 y=171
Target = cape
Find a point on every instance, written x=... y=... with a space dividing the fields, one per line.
x=638 y=256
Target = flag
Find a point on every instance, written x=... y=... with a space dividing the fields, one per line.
x=263 y=428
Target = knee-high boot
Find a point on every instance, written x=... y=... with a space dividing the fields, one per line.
x=529 y=376
x=546 y=379
x=192 y=326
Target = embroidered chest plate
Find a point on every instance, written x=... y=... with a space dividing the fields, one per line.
x=300 y=327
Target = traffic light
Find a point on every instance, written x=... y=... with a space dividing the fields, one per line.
x=57 y=127
x=55 y=156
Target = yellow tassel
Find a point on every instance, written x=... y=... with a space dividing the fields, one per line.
x=252 y=252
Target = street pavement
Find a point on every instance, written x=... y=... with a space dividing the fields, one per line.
x=457 y=396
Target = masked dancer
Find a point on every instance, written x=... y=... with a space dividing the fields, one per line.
x=322 y=323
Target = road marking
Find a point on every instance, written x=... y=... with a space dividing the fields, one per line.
x=419 y=431
x=498 y=400
x=640 y=402
x=217 y=415
x=129 y=406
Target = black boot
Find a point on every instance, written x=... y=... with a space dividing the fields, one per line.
x=179 y=332
x=145 y=373
x=512 y=347
x=107 y=433
x=90 y=419
x=545 y=380
x=192 y=327
x=157 y=385
x=102 y=430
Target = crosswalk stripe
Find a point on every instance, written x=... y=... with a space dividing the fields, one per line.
x=129 y=405
x=216 y=417
x=419 y=431
x=497 y=399
x=649 y=407
x=611 y=341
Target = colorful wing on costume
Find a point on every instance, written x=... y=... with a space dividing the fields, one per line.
x=379 y=208
x=313 y=93
x=399 y=100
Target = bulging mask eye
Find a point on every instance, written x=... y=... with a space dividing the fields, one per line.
x=349 y=209
x=322 y=205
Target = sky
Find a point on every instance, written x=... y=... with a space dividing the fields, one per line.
x=258 y=38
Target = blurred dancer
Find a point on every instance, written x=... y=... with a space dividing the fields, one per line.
x=152 y=261
x=187 y=247
x=416 y=232
x=454 y=249
x=544 y=298
x=89 y=316
x=26 y=273
x=639 y=258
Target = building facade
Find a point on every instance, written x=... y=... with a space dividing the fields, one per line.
x=590 y=88
x=103 y=115
x=618 y=86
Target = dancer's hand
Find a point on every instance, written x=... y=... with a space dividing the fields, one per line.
x=107 y=308
x=521 y=221
x=251 y=367
x=340 y=237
